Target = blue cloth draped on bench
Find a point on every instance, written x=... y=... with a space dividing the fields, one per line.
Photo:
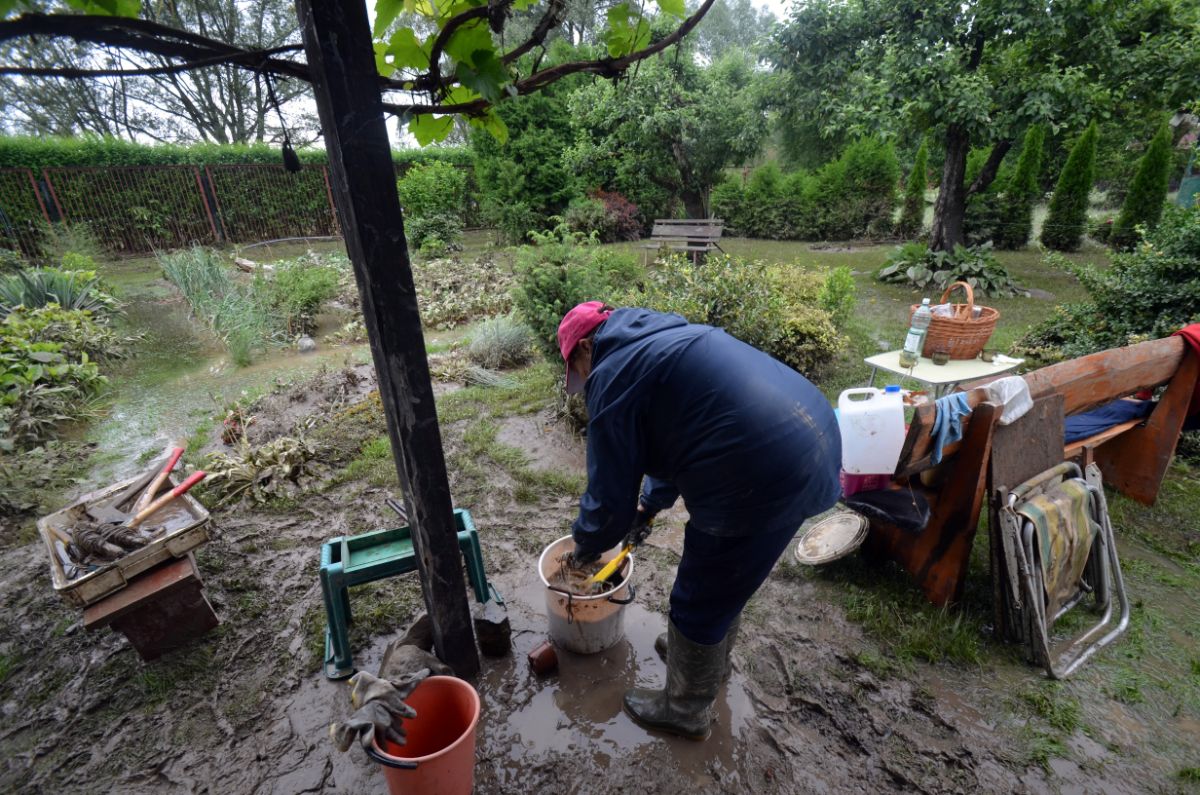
x=1090 y=423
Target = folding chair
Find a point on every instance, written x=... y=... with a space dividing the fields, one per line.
x=1042 y=585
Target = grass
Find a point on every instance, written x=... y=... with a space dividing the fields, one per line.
x=238 y=311
x=376 y=608
x=190 y=667
x=1053 y=704
x=908 y=629
x=8 y=663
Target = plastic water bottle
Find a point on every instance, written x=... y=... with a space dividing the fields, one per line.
x=914 y=341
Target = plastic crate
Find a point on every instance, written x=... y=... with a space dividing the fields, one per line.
x=191 y=531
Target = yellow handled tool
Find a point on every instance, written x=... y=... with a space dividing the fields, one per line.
x=638 y=535
x=611 y=566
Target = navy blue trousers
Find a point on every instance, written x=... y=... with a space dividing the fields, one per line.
x=717 y=576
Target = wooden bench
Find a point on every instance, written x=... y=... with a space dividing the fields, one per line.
x=697 y=236
x=1133 y=456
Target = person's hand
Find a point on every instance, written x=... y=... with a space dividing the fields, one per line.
x=643 y=523
x=580 y=558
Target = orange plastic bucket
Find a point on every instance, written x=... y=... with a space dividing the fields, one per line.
x=439 y=755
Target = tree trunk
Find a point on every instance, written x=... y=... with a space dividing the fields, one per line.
x=693 y=203
x=951 y=205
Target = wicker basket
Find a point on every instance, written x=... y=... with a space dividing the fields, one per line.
x=962 y=336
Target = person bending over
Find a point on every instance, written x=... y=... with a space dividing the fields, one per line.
x=679 y=408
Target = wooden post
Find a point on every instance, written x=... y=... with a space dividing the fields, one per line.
x=337 y=41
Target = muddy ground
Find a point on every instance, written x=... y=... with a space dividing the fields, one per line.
x=818 y=702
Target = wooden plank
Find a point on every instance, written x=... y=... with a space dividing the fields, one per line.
x=1100 y=378
x=938 y=558
x=1030 y=445
x=1073 y=449
x=1136 y=461
x=337 y=42
x=918 y=442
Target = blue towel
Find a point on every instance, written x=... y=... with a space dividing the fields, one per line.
x=1090 y=423
x=947 y=427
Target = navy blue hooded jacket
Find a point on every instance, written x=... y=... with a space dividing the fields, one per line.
x=751 y=444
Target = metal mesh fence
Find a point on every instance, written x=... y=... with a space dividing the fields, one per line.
x=134 y=208
x=22 y=214
x=137 y=209
x=261 y=202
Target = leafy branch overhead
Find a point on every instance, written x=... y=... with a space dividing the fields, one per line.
x=436 y=60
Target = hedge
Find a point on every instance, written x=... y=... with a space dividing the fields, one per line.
x=48 y=152
x=850 y=197
x=138 y=198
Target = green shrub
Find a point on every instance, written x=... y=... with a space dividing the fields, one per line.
x=916 y=265
x=523 y=183
x=242 y=313
x=610 y=216
x=10 y=261
x=78 y=332
x=298 y=289
x=563 y=269
x=1101 y=228
x=852 y=196
x=1147 y=293
x=763 y=213
x=839 y=295
x=40 y=387
x=1144 y=202
x=727 y=200
x=435 y=188
x=912 y=217
x=774 y=309
x=38 y=152
x=422 y=230
x=69 y=289
x=1015 y=222
x=1065 y=223
x=501 y=342
x=64 y=240
x=981 y=222
x=867 y=195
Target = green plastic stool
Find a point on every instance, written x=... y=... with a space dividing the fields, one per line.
x=355 y=560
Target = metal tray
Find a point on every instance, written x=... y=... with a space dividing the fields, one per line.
x=188 y=529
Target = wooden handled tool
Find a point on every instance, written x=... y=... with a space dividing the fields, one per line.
x=145 y=513
x=156 y=484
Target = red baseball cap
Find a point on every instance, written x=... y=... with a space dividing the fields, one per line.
x=577 y=324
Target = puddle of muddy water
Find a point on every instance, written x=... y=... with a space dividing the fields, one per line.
x=578 y=708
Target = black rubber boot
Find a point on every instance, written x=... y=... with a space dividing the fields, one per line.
x=660 y=646
x=694 y=675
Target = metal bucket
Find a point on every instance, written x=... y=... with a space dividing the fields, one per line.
x=584 y=624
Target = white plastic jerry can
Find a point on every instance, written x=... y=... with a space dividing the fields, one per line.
x=872 y=425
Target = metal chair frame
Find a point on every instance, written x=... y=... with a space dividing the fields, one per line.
x=1101 y=577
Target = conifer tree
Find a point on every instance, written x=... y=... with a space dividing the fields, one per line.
x=1065 y=224
x=912 y=217
x=1144 y=202
x=1016 y=211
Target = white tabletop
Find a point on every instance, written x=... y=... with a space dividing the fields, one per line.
x=954 y=371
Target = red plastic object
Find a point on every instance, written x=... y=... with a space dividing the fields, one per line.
x=439 y=754
x=852 y=484
x=543 y=659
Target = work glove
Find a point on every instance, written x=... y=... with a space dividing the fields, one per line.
x=643 y=523
x=380 y=707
